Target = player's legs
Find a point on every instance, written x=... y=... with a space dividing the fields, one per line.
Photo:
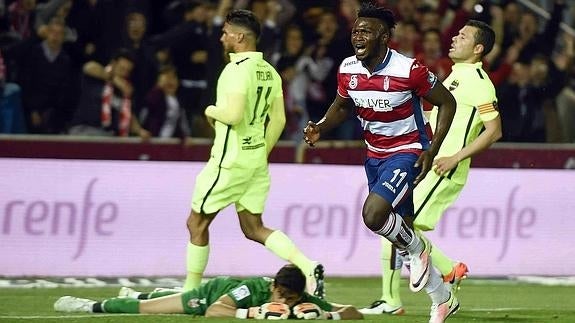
x=390 y=300
x=250 y=208
x=215 y=189
x=170 y=304
x=198 y=249
x=390 y=182
x=391 y=264
x=431 y=198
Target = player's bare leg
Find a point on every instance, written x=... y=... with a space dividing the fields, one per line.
x=198 y=248
x=379 y=217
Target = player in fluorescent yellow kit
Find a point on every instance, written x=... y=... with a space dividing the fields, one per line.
x=476 y=109
x=248 y=118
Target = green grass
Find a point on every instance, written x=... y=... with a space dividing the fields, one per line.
x=481 y=301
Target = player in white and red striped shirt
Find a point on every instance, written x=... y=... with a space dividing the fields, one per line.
x=385 y=89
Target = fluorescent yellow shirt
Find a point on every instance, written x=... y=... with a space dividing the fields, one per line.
x=243 y=144
x=476 y=102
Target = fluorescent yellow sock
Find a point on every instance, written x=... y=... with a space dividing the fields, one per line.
x=391 y=274
x=196 y=262
x=439 y=260
x=281 y=245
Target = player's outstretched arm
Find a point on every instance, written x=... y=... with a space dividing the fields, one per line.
x=491 y=134
x=337 y=113
x=223 y=307
x=347 y=312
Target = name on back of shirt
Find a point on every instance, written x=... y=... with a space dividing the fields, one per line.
x=264 y=76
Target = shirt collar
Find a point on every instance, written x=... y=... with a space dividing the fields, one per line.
x=474 y=66
x=235 y=57
x=385 y=61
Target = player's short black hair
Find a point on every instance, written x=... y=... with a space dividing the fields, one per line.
x=370 y=10
x=292 y=278
x=246 y=19
x=484 y=35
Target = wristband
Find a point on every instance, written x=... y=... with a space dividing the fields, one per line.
x=333 y=316
x=242 y=313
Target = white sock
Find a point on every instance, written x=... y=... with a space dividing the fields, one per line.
x=397 y=231
x=435 y=287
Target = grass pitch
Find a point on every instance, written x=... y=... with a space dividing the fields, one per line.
x=481 y=301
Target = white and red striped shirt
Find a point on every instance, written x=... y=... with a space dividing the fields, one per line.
x=389 y=104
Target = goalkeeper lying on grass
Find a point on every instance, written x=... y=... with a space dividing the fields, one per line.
x=261 y=298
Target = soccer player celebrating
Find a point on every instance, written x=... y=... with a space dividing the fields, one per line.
x=249 y=93
x=280 y=298
x=385 y=88
x=476 y=109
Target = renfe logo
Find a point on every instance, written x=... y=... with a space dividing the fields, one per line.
x=79 y=219
x=60 y=217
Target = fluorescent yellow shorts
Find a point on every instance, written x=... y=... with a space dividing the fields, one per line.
x=431 y=198
x=216 y=188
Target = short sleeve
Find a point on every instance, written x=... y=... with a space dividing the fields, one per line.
x=421 y=79
x=484 y=100
x=251 y=292
x=488 y=111
x=342 y=84
x=235 y=79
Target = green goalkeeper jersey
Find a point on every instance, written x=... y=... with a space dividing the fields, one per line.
x=243 y=145
x=245 y=293
x=476 y=102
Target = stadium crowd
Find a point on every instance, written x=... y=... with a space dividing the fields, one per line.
x=149 y=68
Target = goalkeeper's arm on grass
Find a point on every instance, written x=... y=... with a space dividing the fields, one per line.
x=225 y=306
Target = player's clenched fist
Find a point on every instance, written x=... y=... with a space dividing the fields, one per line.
x=273 y=311
x=308 y=311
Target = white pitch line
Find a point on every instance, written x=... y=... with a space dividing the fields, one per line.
x=87 y=316
x=499 y=309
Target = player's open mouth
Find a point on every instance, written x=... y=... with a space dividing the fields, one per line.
x=360 y=49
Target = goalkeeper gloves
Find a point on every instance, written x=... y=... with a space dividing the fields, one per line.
x=268 y=311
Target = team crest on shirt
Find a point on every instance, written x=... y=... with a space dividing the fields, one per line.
x=453 y=85
x=194 y=302
x=386 y=83
x=241 y=292
x=431 y=78
x=353 y=82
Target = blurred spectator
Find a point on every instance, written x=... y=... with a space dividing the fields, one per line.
x=21 y=17
x=11 y=114
x=190 y=56
x=162 y=114
x=535 y=42
x=291 y=66
x=272 y=23
x=348 y=11
x=526 y=100
x=105 y=106
x=566 y=98
x=321 y=65
x=45 y=80
x=145 y=64
x=429 y=18
x=405 y=38
x=432 y=54
x=46 y=11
